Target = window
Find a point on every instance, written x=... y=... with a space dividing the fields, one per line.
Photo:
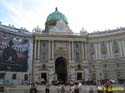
x=91 y=50
x=14 y=76
x=43 y=44
x=44 y=76
x=115 y=47
x=25 y=77
x=117 y=64
x=103 y=48
x=43 y=55
x=105 y=75
x=77 y=56
x=2 y=75
x=79 y=76
x=91 y=45
x=92 y=55
x=118 y=75
x=105 y=65
x=77 y=45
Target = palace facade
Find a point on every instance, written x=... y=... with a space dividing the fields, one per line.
x=60 y=54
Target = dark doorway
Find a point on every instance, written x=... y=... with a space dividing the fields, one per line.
x=44 y=76
x=79 y=76
x=61 y=69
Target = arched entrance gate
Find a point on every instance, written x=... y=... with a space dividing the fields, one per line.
x=61 y=69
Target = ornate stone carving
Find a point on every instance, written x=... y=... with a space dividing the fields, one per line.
x=61 y=50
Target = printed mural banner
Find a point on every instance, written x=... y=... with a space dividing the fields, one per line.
x=13 y=53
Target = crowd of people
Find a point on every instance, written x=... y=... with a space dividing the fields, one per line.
x=76 y=87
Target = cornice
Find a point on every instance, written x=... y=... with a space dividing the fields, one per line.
x=15 y=31
x=113 y=36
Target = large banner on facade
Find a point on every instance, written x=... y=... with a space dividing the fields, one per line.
x=13 y=53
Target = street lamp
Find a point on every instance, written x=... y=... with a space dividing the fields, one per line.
x=100 y=76
x=29 y=78
x=4 y=74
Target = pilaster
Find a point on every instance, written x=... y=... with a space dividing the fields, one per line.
x=86 y=51
x=72 y=50
x=69 y=51
x=120 y=48
x=111 y=49
x=82 y=51
x=35 y=49
x=123 y=47
x=99 y=51
x=38 y=49
x=108 y=49
x=49 y=50
x=96 y=51
x=52 y=49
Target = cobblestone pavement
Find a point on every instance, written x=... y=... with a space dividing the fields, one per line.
x=53 y=89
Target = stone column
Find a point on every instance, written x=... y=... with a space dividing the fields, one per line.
x=69 y=51
x=35 y=49
x=86 y=51
x=49 y=50
x=72 y=50
x=38 y=49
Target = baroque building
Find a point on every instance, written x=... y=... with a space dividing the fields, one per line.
x=60 y=54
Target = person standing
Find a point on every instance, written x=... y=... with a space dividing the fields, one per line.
x=124 y=85
x=47 y=89
x=33 y=89
x=62 y=89
x=72 y=88
x=76 y=88
x=108 y=87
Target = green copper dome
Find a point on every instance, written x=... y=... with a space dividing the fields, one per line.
x=55 y=16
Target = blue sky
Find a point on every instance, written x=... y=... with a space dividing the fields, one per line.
x=93 y=15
